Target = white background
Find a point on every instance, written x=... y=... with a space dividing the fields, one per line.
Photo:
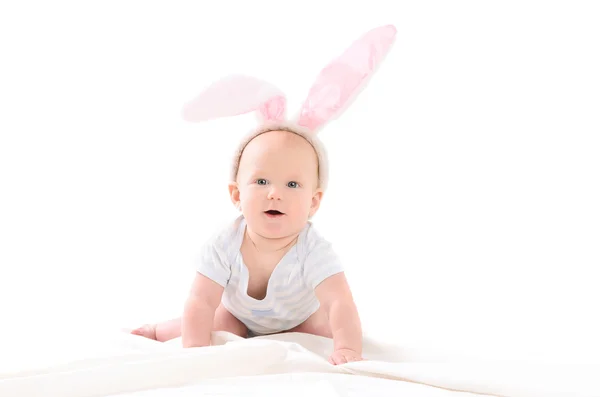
x=465 y=179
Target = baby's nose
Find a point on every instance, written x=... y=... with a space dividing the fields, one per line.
x=274 y=193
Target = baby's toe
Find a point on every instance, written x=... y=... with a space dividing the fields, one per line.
x=147 y=331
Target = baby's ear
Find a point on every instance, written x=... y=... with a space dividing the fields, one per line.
x=234 y=194
x=316 y=202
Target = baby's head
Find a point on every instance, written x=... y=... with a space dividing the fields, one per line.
x=283 y=166
x=278 y=179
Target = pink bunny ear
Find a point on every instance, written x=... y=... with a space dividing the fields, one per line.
x=235 y=95
x=339 y=83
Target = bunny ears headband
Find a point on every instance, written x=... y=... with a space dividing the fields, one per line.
x=335 y=88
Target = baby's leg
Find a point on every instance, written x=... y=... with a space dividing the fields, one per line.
x=316 y=324
x=171 y=329
x=225 y=321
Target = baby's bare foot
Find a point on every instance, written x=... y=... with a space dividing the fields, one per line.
x=147 y=331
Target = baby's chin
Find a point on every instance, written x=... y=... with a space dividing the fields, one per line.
x=275 y=231
x=276 y=228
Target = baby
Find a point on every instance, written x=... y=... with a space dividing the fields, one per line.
x=270 y=271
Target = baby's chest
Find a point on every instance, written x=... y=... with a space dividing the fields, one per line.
x=259 y=272
x=264 y=276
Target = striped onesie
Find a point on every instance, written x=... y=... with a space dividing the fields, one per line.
x=290 y=297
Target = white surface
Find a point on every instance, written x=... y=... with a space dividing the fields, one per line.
x=289 y=363
x=301 y=385
x=467 y=173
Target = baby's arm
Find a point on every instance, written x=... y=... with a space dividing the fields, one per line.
x=336 y=298
x=199 y=312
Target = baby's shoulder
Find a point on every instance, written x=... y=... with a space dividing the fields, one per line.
x=312 y=241
x=226 y=234
x=319 y=259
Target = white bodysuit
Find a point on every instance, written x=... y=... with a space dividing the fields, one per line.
x=290 y=297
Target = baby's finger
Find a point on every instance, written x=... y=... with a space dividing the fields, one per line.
x=341 y=359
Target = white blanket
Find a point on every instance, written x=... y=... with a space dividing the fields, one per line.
x=287 y=364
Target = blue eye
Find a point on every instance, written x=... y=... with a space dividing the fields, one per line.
x=261 y=181
x=293 y=184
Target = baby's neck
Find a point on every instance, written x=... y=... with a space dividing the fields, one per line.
x=265 y=245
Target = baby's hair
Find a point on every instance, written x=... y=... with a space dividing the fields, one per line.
x=318 y=147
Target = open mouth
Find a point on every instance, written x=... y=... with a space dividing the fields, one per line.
x=274 y=213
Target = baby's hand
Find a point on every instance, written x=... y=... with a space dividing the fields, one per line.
x=343 y=356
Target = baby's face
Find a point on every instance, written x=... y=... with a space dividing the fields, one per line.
x=277 y=182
